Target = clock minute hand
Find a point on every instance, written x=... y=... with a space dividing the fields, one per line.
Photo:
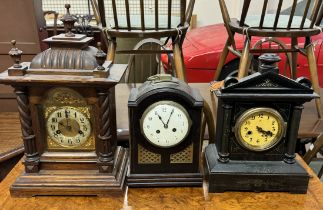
x=169 y=118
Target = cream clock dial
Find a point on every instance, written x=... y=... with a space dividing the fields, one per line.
x=68 y=127
x=165 y=123
x=259 y=129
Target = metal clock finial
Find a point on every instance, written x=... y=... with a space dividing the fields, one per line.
x=268 y=62
x=68 y=21
x=15 y=54
x=100 y=57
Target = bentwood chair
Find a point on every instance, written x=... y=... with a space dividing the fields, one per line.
x=313 y=150
x=147 y=19
x=274 y=25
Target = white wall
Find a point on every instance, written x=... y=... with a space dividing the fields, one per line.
x=208 y=11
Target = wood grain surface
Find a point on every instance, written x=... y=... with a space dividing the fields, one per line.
x=10 y=136
x=168 y=198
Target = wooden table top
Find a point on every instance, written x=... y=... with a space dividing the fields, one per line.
x=11 y=134
x=168 y=198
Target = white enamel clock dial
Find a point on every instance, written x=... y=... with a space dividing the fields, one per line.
x=68 y=127
x=165 y=123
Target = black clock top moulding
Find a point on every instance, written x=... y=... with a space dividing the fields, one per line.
x=165 y=134
x=258 y=119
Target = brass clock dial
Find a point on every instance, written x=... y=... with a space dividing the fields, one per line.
x=259 y=129
x=68 y=127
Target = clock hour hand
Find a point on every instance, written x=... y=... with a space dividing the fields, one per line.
x=259 y=129
x=169 y=118
x=66 y=114
x=159 y=117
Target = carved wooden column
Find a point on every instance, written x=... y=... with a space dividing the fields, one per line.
x=105 y=137
x=31 y=154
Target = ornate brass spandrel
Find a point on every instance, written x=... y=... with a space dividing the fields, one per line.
x=64 y=96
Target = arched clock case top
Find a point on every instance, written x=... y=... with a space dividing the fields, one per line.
x=160 y=164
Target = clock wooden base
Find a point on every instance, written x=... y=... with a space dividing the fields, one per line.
x=74 y=182
x=165 y=180
x=253 y=175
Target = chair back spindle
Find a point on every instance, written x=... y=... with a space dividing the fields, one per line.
x=145 y=14
x=156 y=15
x=244 y=12
x=316 y=11
x=115 y=15
x=278 y=13
x=311 y=15
x=292 y=13
x=169 y=13
x=264 y=9
x=128 y=15
x=142 y=15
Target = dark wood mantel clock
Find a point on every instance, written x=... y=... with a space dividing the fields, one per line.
x=257 y=125
x=165 y=134
x=66 y=101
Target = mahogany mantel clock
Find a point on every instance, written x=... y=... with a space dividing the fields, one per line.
x=165 y=134
x=66 y=103
x=257 y=124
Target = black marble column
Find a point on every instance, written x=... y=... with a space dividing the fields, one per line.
x=292 y=134
x=224 y=149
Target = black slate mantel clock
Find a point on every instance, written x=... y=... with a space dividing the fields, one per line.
x=257 y=124
x=165 y=133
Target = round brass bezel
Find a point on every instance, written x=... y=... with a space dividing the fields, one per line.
x=252 y=111
x=166 y=102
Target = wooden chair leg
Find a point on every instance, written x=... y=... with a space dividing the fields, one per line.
x=208 y=117
x=320 y=173
x=111 y=49
x=318 y=144
x=294 y=59
x=222 y=60
x=314 y=77
x=244 y=60
x=179 y=63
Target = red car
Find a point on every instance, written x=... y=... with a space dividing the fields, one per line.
x=203 y=46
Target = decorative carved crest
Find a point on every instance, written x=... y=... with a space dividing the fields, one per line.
x=267 y=83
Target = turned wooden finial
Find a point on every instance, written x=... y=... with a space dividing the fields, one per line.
x=15 y=54
x=100 y=57
x=68 y=21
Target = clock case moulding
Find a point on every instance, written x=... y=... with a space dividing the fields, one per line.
x=100 y=171
x=229 y=166
x=165 y=173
